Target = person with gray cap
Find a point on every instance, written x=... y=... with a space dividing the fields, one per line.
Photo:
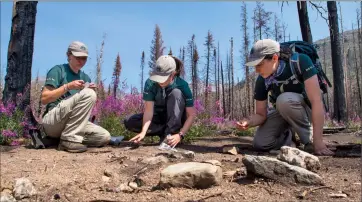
x=169 y=106
x=69 y=97
x=290 y=111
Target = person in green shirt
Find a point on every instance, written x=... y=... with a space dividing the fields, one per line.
x=291 y=111
x=169 y=106
x=69 y=97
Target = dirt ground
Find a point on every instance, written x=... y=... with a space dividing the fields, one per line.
x=79 y=177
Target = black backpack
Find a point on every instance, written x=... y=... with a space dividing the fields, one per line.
x=289 y=50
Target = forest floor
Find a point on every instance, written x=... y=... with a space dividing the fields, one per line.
x=62 y=176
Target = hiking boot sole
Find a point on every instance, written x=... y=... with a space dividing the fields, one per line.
x=62 y=148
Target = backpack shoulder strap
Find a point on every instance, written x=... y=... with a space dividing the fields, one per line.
x=295 y=67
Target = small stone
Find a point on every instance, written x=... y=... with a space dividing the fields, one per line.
x=230 y=150
x=105 y=178
x=338 y=195
x=108 y=172
x=7 y=198
x=188 y=154
x=133 y=185
x=56 y=196
x=125 y=188
x=357 y=183
x=229 y=173
x=23 y=188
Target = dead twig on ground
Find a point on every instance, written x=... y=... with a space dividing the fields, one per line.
x=209 y=196
x=306 y=192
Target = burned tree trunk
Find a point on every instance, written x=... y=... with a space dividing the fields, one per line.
x=304 y=21
x=20 y=53
x=340 y=112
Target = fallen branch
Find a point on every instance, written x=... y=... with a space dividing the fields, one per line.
x=210 y=196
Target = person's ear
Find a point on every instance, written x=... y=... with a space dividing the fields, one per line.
x=275 y=58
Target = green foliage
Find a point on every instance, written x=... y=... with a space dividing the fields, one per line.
x=11 y=123
x=114 y=124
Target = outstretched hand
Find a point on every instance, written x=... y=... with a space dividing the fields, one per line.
x=242 y=125
x=138 y=138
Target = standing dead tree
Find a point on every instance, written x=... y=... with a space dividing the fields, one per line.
x=20 y=53
x=340 y=112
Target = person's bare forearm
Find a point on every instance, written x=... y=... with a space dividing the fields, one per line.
x=317 y=121
x=147 y=118
x=256 y=120
x=188 y=123
x=49 y=96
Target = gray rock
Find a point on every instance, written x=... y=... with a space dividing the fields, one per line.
x=23 y=188
x=108 y=172
x=191 y=175
x=155 y=160
x=299 y=158
x=280 y=171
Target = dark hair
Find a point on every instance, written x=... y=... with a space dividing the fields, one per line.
x=270 y=56
x=179 y=65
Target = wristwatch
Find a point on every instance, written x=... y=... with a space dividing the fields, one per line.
x=181 y=134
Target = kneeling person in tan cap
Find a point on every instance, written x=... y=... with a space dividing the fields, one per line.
x=290 y=109
x=69 y=103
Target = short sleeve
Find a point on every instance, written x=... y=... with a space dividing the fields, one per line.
x=148 y=91
x=260 y=92
x=307 y=67
x=53 y=77
x=188 y=96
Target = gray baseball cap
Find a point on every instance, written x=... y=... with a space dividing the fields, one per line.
x=260 y=49
x=164 y=67
x=78 y=49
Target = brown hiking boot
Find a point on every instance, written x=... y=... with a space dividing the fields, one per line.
x=73 y=147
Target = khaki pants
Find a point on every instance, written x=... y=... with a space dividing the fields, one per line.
x=69 y=120
x=291 y=113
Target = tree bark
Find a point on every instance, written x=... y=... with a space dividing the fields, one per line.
x=304 y=21
x=20 y=53
x=340 y=112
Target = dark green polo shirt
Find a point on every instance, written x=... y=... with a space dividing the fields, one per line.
x=307 y=68
x=60 y=75
x=153 y=92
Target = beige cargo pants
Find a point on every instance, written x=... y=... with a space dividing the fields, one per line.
x=291 y=113
x=69 y=120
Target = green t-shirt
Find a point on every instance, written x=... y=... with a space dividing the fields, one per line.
x=284 y=73
x=60 y=75
x=153 y=92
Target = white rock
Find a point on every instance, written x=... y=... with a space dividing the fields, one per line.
x=191 y=175
x=23 y=188
x=6 y=197
x=299 y=158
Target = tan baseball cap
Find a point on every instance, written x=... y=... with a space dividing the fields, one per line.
x=164 y=67
x=260 y=49
x=78 y=49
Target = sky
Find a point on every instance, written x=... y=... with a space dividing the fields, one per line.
x=129 y=28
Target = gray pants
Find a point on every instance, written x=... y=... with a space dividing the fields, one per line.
x=291 y=113
x=69 y=120
x=168 y=122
